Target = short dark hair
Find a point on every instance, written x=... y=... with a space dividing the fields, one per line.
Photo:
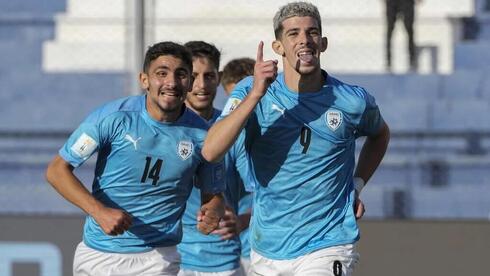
x=237 y=69
x=293 y=9
x=204 y=50
x=167 y=48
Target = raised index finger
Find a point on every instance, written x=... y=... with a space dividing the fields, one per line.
x=260 y=52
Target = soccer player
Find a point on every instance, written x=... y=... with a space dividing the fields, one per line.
x=148 y=153
x=218 y=253
x=233 y=72
x=301 y=127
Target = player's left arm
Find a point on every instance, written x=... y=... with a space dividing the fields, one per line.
x=370 y=157
x=211 y=179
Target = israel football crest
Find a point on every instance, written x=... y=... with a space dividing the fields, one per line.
x=333 y=118
x=185 y=149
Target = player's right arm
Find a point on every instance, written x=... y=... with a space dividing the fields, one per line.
x=223 y=133
x=93 y=133
x=60 y=175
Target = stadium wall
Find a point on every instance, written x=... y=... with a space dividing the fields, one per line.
x=31 y=244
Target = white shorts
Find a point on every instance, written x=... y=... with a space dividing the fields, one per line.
x=235 y=272
x=164 y=261
x=331 y=261
x=246 y=265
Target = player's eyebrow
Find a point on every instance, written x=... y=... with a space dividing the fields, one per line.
x=291 y=30
x=297 y=29
x=162 y=67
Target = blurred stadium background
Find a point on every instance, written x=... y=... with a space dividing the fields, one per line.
x=62 y=58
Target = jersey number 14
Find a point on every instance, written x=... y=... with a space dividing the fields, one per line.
x=153 y=173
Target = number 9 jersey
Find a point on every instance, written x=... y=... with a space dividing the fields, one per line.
x=302 y=153
x=144 y=167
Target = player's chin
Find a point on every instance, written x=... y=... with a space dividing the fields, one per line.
x=203 y=105
x=306 y=69
x=170 y=106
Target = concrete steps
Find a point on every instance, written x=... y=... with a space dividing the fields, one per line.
x=98 y=32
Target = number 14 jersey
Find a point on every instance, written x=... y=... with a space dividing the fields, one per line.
x=144 y=167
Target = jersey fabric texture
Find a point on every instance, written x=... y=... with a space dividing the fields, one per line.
x=209 y=253
x=302 y=149
x=144 y=167
x=245 y=206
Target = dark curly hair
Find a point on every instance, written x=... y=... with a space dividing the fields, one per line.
x=167 y=48
x=204 y=50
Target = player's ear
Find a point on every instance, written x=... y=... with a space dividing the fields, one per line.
x=144 y=83
x=278 y=48
x=324 y=45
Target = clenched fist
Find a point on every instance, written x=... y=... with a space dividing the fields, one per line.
x=210 y=213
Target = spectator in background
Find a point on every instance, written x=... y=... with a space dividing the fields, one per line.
x=300 y=130
x=406 y=10
x=218 y=253
x=148 y=153
x=233 y=72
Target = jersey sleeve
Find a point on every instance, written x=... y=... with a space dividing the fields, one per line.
x=243 y=163
x=371 y=119
x=237 y=95
x=210 y=177
x=87 y=139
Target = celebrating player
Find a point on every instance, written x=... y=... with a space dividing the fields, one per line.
x=300 y=127
x=148 y=153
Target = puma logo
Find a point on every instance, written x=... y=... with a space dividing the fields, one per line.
x=277 y=108
x=132 y=140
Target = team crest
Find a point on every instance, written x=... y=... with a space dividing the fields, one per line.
x=185 y=149
x=333 y=118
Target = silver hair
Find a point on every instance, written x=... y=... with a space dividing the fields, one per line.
x=295 y=9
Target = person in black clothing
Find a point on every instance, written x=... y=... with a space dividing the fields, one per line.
x=405 y=9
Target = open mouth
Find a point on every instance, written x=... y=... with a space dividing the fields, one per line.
x=172 y=94
x=306 y=56
x=202 y=95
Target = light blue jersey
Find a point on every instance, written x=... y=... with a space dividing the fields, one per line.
x=210 y=253
x=245 y=206
x=144 y=167
x=301 y=148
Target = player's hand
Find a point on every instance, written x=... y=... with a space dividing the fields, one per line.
x=265 y=72
x=359 y=208
x=113 y=221
x=209 y=215
x=229 y=225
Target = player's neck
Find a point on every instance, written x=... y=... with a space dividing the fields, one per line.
x=164 y=116
x=303 y=82
x=206 y=113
